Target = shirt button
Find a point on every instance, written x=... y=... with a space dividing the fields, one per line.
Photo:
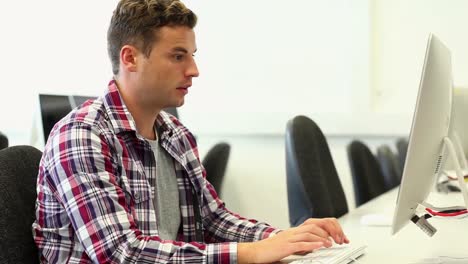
x=137 y=196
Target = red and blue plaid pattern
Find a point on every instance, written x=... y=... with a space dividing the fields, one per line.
x=95 y=202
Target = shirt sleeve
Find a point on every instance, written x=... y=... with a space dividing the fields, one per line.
x=83 y=177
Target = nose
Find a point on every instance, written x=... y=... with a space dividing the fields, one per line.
x=192 y=69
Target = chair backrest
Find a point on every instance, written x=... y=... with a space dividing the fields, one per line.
x=402 y=148
x=19 y=166
x=390 y=165
x=215 y=163
x=3 y=141
x=368 y=180
x=313 y=186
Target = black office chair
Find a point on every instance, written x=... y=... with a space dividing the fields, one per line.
x=402 y=148
x=313 y=186
x=368 y=180
x=215 y=163
x=3 y=141
x=390 y=166
x=19 y=166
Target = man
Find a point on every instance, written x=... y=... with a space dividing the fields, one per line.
x=120 y=181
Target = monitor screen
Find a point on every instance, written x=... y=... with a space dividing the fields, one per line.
x=431 y=121
x=52 y=108
x=459 y=114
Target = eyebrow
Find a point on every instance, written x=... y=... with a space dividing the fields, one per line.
x=180 y=49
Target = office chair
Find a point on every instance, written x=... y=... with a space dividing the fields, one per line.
x=313 y=186
x=3 y=141
x=368 y=181
x=402 y=148
x=215 y=163
x=19 y=166
x=390 y=166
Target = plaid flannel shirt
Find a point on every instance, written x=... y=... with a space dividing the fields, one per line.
x=95 y=203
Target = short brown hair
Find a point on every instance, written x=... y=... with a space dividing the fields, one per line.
x=135 y=21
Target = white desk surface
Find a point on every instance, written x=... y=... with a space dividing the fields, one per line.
x=411 y=244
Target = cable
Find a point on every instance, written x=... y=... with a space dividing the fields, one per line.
x=447 y=213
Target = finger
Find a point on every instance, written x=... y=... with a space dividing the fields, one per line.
x=346 y=240
x=302 y=247
x=308 y=237
x=332 y=226
x=337 y=233
x=329 y=224
x=312 y=229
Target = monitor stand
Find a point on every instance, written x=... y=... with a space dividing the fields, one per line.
x=459 y=161
x=425 y=210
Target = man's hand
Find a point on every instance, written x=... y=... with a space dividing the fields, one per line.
x=330 y=226
x=310 y=235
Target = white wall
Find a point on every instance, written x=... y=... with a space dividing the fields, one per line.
x=399 y=36
x=264 y=61
x=353 y=66
x=49 y=46
x=256 y=57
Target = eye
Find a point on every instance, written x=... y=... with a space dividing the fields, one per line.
x=178 y=57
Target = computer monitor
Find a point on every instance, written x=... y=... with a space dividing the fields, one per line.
x=459 y=124
x=50 y=109
x=429 y=142
x=457 y=132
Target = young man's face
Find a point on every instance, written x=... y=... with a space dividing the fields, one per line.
x=165 y=76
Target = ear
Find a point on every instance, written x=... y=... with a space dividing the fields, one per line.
x=128 y=58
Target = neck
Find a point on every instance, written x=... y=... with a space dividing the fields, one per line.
x=144 y=122
x=143 y=115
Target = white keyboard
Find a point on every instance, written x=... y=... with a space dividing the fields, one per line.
x=339 y=254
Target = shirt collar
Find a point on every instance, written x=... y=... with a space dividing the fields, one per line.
x=122 y=120
x=117 y=111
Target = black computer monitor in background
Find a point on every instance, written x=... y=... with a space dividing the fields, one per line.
x=52 y=108
x=79 y=99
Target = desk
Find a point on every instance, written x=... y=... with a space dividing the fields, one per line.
x=410 y=245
